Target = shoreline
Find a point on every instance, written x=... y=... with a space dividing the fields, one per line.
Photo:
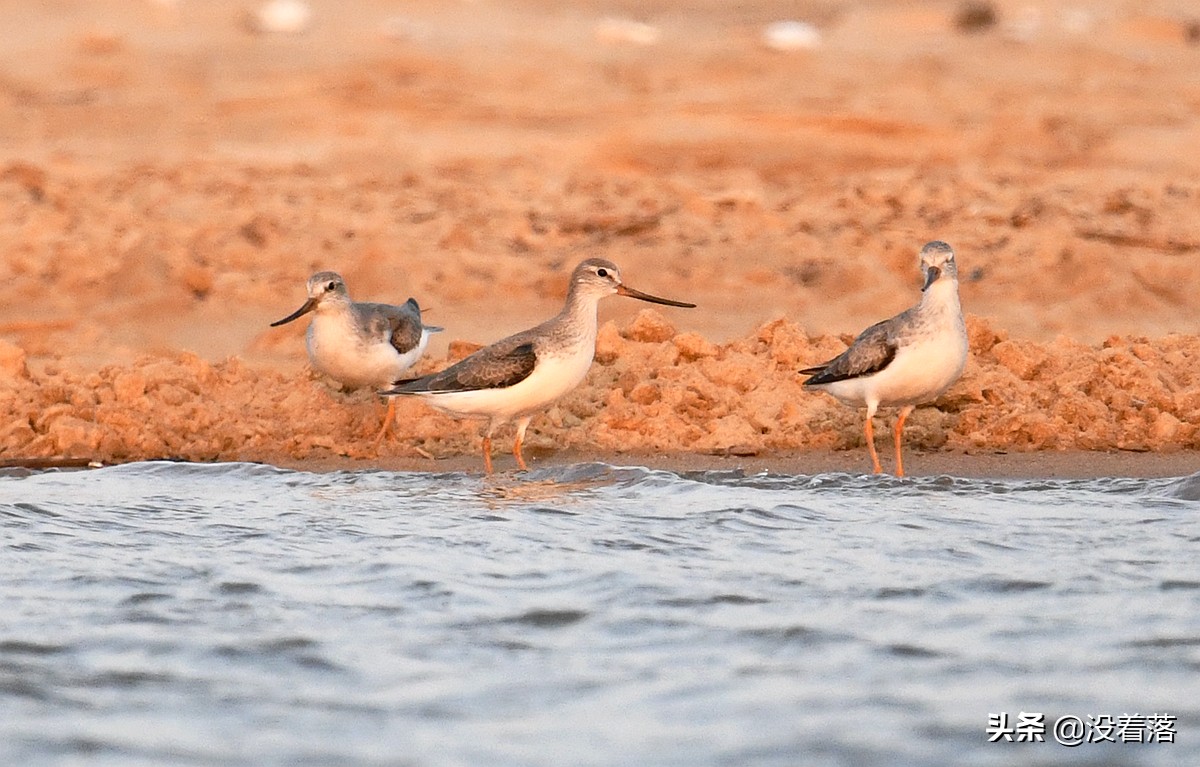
x=1046 y=464
x=1070 y=464
x=1039 y=465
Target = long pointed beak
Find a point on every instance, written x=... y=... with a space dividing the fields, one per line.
x=931 y=277
x=309 y=305
x=625 y=290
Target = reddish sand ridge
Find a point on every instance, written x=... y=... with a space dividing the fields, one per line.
x=652 y=389
x=168 y=180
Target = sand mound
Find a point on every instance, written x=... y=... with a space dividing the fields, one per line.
x=652 y=389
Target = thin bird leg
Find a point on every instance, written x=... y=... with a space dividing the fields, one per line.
x=487 y=453
x=517 y=454
x=521 y=426
x=870 y=431
x=899 y=431
x=387 y=421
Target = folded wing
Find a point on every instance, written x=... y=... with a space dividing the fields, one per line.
x=494 y=367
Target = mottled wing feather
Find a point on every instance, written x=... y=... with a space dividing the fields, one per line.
x=872 y=351
x=406 y=327
x=401 y=325
x=498 y=366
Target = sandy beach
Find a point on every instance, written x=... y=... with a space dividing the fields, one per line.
x=170 y=176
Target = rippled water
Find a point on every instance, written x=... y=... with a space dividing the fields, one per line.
x=588 y=615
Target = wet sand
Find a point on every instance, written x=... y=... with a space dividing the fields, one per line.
x=169 y=179
x=1037 y=465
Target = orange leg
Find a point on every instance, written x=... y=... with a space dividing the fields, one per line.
x=487 y=454
x=387 y=421
x=517 y=452
x=521 y=426
x=899 y=431
x=870 y=431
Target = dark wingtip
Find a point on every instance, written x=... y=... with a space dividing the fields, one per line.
x=817 y=375
x=812 y=380
x=396 y=387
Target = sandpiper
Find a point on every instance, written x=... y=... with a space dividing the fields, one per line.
x=518 y=376
x=360 y=344
x=907 y=360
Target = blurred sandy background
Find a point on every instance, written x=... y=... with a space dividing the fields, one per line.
x=171 y=173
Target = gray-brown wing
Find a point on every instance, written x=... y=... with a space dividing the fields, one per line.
x=503 y=364
x=872 y=351
x=400 y=324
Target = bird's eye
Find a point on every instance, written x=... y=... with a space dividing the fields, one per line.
x=602 y=272
x=331 y=286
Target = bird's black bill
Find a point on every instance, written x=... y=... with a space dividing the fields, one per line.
x=931 y=277
x=309 y=305
x=625 y=290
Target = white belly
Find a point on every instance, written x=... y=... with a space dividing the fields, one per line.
x=552 y=378
x=342 y=352
x=919 y=373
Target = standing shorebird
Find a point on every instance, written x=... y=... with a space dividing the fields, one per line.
x=360 y=344
x=518 y=376
x=907 y=360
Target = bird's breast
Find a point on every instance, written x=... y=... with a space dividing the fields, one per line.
x=340 y=349
x=924 y=369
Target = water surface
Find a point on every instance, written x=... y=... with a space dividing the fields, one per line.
x=236 y=614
